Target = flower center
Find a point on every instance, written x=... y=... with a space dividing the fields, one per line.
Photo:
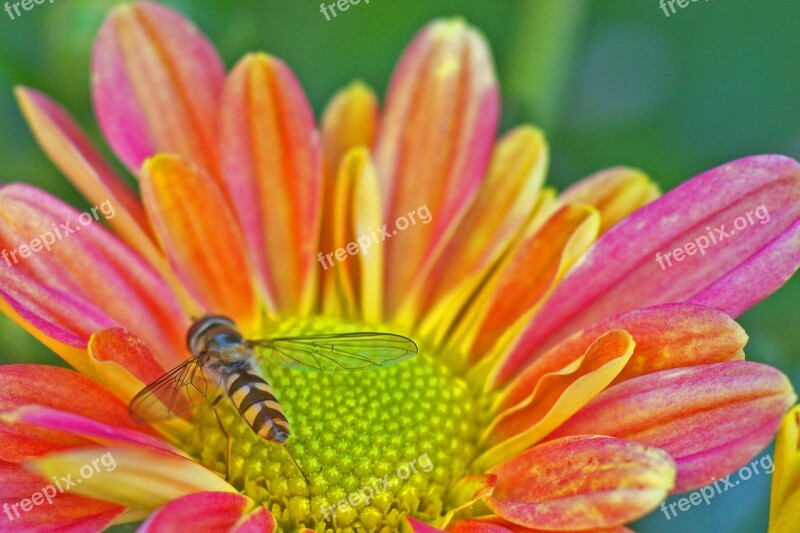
x=375 y=444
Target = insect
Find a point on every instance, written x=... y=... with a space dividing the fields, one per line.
x=223 y=364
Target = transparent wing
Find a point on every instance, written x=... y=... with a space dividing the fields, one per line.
x=344 y=351
x=175 y=393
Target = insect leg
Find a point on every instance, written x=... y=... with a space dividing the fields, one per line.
x=228 y=440
x=285 y=447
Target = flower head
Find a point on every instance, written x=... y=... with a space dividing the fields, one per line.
x=565 y=380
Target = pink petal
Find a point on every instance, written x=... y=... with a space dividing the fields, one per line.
x=421 y=527
x=71 y=424
x=435 y=140
x=92 y=265
x=711 y=418
x=58 y=314
x=156 y=85
x=273 y=174
x=622 y=272
x=207 y=511
x=75 y=155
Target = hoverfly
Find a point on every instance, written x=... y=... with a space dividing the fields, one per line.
x=223 y=359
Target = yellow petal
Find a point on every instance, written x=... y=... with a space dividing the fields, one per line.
x=131 y=477
x=557 y=397
x=616 y=193
x=784 y=515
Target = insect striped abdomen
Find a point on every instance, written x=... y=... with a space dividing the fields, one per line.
x=253 y=398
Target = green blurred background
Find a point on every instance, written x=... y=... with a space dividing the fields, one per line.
x=611 y=83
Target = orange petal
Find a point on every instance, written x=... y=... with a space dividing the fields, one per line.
x=557 y=397
x=272 y=167
x=711 y=418
x=435 y=141
x=534 y=270
x=667 y=336
x=207 y=252
x=616 y=193
x=123 y=362
x=56 y=388
x=579 y=483
x=501 y=209
x=156 y=85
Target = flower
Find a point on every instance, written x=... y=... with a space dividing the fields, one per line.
x=564 y=382
x=785 y=498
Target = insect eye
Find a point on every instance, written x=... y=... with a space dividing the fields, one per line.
x=203 y=326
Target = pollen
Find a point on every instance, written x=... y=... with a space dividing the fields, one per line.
x=374 y=444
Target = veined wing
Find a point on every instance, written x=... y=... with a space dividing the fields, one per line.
x=343 y=351
x=175 y=393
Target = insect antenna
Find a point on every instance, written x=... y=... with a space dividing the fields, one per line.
x=285 y=447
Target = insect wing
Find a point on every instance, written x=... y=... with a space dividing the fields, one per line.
x=345 y=351
x=175 y=393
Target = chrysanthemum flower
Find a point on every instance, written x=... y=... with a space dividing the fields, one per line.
x=565 y=380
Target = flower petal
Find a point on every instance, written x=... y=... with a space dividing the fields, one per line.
x=350 y=121
x=122 y=362
x=71 y=150
x=200 y=235
x=55 y=388
x=272 y=167
x=137 y=478
x=419 y=527
x=785 y=498
x=156 y=86
x=72 y=424
x=501 y=209
x=57 y=314
x=557 y=397
x=667 y=336
x=531 y=273
x=583 y=482
x=616 y=193
x=710 y=418
x=122 y=284
x=622 y=270
x=209 y=511
x=443 y=90
x=68 y=512
x=495 y=524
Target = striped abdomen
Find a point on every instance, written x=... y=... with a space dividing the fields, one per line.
x=253 y=398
